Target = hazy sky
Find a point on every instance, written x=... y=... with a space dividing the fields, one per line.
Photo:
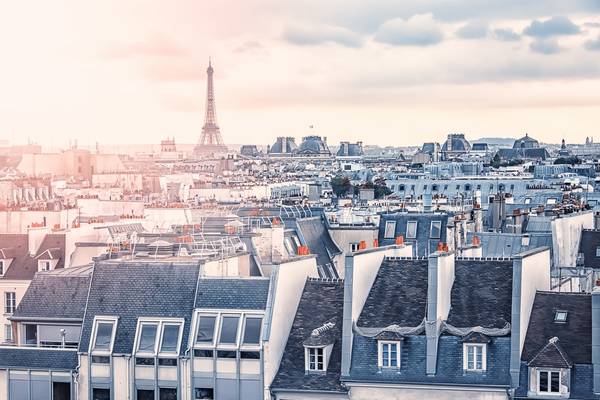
x=387 y=72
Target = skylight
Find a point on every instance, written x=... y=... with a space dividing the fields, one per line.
x=560 y=316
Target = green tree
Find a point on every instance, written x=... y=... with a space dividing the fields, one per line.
x=340 y=185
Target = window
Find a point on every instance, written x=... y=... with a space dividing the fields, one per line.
x=44 y=265
x=315 y=359
x=203 y=353
x=10 y=302
x=147 y=338
x=8 y=333
x=390 y=230
x=145 y=394
x=474 y=357
x=163 y=336
x=204 y=393
x=100 y=394
x=411 y=230
x=548 y=382
x=597 y=251
x=525 y=239
x=104 y=334
x=252 y=331
x=389 y=354
x=436 y=229
x=226 y=354
x=206 y=329
x=560 y=316
x=229 y=328
x=31 y=334
x=170 y=338
x=2 y=268
x=167 y=394
x=354 y=247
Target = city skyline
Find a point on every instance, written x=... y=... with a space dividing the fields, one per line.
x=404 y=73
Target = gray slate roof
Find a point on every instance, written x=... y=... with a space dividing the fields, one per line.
x=575 y=334
x=398 y=295
x=55 y=295
x=321 y=301
x=481 y=294
x=38 y=359
x=132 y=290
x=232 y=293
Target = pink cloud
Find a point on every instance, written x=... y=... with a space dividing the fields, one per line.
x=155 y=45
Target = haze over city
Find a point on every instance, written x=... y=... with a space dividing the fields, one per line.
x=402 y=71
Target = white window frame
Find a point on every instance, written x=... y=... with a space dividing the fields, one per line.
x=416 y=224
x=438 y=223
x=103 y=319
x=386 y=229
x=238 y=331
x=252 y=346
x=216 y=330
x=354 y=247
x=160 y=324
x=42 y=264
x=480 y=348
x=380 y=345
x=8 y=334
x=549 y=371
x=10 y=304
x=307 y=355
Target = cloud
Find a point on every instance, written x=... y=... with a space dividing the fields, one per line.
x=554 y=26
x=153 y=46
x=473 y=30
x=593 y=45
x=506 y=35
x=592 y=24
x=418 y=30
x=249 y=46
x=320 y=34
x=545 y=46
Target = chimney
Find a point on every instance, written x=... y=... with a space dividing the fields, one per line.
x=440 y=279
x=596 y=337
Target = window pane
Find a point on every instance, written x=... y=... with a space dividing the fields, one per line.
x=252 y=331
x=436 y=229
x=543 y=381
x=206 y=329
x=145 y=394
x=170 y=338
x=555 y=382
x=411 y=230
x=478 y=357
x=204 y=394
x=100 y=394
x=167 y=394
x=147 y=338
x=390 y=229
x=103 y=335
x=229 y=328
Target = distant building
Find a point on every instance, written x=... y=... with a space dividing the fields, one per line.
x=283 y=146
x=455 y=146
x=313 y=146
x=249 y=150
x=350 y=150
x=525 y=148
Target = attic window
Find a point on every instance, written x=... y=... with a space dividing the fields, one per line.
x=2 y=268
x=597 y=251
x=560 y=316
x=388 y=354
x=315 y=358
x=103 y=335
x=436 y=229
x=390 y=230
x=162 y=337
x=411 y=230
x=44 y=265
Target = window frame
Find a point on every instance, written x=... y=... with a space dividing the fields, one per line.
x=160 y=324
x=44 y=263
x=548 y=371
x=13 y=301
x=416 y=225
x=103 y=319
x=2 y=268
x=235 y=344
x=431 y=229
x=206 y=345
x=251 y=346
x=597 y=251
x=8 y=331
x=479 y=348
x=218 y=315
x=385 y=231
x=380 y=353
x=561 y=320
x=307 y=356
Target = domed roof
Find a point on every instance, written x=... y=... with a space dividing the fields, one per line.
x=348 y=149
x=526 y=142
x=284 y=145
x=313 y=145
x=456 y=143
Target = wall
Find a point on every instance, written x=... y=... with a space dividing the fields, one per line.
x=287 y=285
x=566 y=234
x=19 y=287
x=18 y=221
x=445 y=280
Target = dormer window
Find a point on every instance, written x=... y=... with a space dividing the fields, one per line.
x=103 y=335
x=560 y=316
x=44 y=265
x=411 y=230
x=158 y=338
x=388 y=354
x=315 y=358
x=474 y=357
x=2 y=268
x=548 y=382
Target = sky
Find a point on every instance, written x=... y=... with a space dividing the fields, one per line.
x=387 y=72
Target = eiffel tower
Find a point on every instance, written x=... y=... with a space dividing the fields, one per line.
x=211 y=141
